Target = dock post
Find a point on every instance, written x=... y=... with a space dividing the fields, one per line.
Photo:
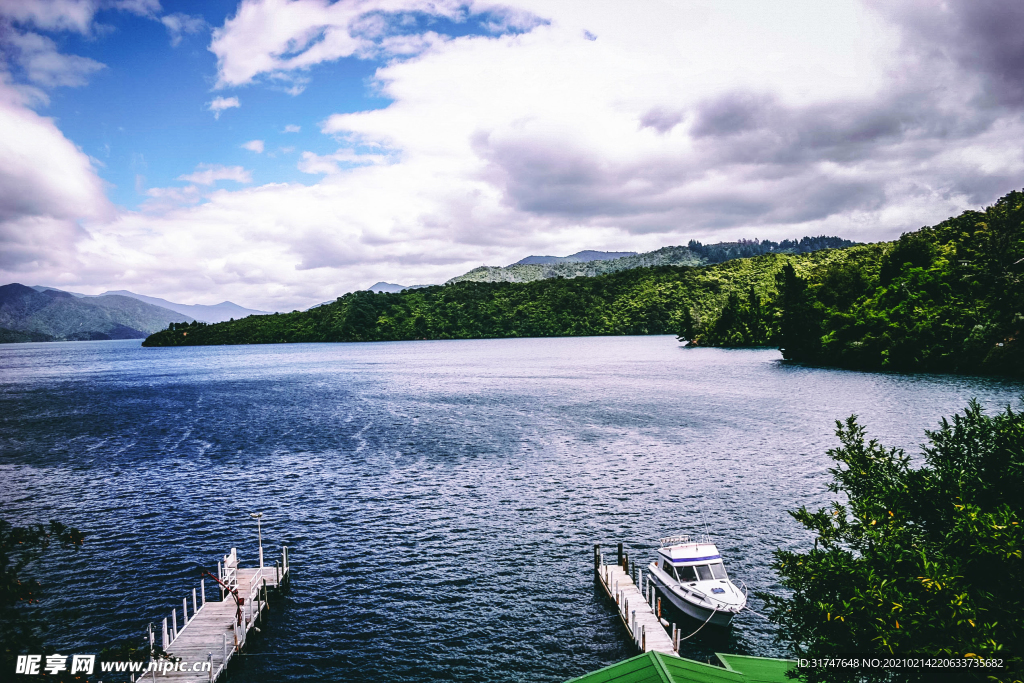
x=265 y=595
x=184 y=612
x=209 y=661
x=620 y=555
x=643 y=638
x=224 y=649
x=195 y=604
x=166 y=641
x=659 y=608
x=150 y=637
x=640 y=580
x=597 y=557
x=202 y=590
x=174 y=624
x=220 y=575
x=277 y=572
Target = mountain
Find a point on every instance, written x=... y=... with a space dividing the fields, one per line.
x=694 y=254
x=578 y=257
x=214 y=313
x=63 y=316
x=393 y=288
x=42 y=288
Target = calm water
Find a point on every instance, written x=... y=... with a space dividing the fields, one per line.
x=441 y=499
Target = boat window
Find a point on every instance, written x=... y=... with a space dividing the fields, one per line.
x=718 y=570
x=703 y=572
x=668 y=568
x=686 y=573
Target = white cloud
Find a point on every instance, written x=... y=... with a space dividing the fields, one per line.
x=47 y=185
x=279 y=36
x=70 y=15
x=327 y=164
x=291 y=128
x=51 y=15
x=178 y=25
x=254 y=146
x=143 y=8
x=208 y=174
x=47 y=67
x=219 y=104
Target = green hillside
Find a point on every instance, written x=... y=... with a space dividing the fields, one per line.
x=29 y=315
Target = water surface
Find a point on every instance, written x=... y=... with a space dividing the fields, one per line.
x=440 y=498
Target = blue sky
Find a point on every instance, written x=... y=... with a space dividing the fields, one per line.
x=412 y=140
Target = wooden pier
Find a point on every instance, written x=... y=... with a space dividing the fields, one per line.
x=217 y=630
x=637 y=608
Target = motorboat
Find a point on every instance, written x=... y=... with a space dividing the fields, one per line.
x=690 y=573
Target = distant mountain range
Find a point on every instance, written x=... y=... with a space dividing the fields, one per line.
x=392 y=288
x=214 y=313
x=578 y=257
x=43 y=313
x=593 y=263
x=27 y=314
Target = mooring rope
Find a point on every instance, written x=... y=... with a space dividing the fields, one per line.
x=713 y=613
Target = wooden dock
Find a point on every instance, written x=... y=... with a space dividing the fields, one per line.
x=205 y=642
x=637 y=608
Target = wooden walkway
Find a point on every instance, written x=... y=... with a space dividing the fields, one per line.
x=217 y=630
x=636 y=609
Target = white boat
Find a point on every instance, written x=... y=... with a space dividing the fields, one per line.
x=689 y=572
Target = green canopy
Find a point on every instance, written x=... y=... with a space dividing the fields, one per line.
x=654 y=667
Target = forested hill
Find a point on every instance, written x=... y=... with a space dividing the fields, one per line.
x=694 y=254
x=941 y=299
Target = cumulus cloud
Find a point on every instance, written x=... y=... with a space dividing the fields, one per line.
x=275 y=37
x=47 y=185
x=208 y=174
x=70 y=15
x=291 y=128
x=254 y=146
x=329 y=163
x=219 y=104
x=52 y=15
x=178 y=25
x=47 y=67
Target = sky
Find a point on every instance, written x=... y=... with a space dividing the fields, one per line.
x=280 y=153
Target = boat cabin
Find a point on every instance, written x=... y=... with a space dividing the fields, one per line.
x=692 y=562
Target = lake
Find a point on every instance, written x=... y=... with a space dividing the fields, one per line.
x=440 y=498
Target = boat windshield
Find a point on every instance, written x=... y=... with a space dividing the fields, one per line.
x=686 y=573
x=707 y=572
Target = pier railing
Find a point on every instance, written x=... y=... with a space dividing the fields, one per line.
x=203 y=636
x=639 y=609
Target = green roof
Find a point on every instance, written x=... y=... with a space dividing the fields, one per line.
x=654 y=667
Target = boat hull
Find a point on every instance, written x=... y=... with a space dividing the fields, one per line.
x=684 y=604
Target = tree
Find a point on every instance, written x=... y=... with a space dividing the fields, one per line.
x=19 y=547
x=924 y=561
x=799 y=333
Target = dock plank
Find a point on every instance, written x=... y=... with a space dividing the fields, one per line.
x=642 y=624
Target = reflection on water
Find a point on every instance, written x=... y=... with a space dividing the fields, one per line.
x=441 y=498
